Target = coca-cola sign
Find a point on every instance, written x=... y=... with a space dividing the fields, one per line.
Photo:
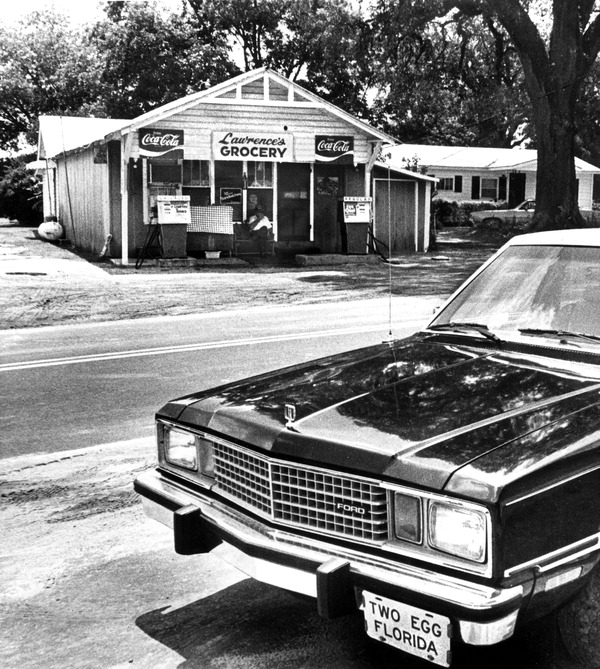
x=334 y=149
x=154 y=143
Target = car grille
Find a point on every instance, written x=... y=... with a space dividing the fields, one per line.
x=305 y=497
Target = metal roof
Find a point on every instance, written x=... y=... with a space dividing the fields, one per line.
x=61 y=134
x=474 y=158
x=403 y=171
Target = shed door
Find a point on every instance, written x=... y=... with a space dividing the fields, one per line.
x=293 y=203
x=395 y=200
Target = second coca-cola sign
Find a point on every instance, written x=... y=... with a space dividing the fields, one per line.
x=154 y=143
x=334 y=148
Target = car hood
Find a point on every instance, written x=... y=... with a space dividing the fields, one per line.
x=415 y=411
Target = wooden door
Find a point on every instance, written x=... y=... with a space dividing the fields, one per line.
x=293 y=202
x=395 y=202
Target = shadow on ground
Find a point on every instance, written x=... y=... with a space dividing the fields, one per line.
x=254 y=626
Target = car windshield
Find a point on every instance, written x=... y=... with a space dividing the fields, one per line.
x=534 y=290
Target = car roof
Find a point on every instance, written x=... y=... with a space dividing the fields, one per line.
x=576 y=237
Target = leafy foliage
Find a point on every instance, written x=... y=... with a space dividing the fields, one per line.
x=317 y=43
x=147 y=59
x=20 y=191
x=45 y=68
x=453 y=79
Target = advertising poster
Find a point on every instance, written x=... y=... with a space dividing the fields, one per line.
x=337 y=149
x=156 y=143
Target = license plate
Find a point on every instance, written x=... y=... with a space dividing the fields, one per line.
x=415 y=631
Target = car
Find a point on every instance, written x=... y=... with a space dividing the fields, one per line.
x=445 y=486
x=494 y=218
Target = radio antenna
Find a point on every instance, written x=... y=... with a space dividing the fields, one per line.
x=389 y=212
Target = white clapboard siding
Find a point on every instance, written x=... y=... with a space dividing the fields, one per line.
x=199 y=122
x=82 y=187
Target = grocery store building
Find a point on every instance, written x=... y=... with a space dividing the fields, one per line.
x=202 y=163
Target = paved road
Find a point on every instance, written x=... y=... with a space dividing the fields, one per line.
x=85 y=580
x=76 y=386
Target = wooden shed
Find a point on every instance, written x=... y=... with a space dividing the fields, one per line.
x=257 y=138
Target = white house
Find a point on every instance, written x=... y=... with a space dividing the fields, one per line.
x=486 y=174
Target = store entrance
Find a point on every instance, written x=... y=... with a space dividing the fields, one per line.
x=293 y=203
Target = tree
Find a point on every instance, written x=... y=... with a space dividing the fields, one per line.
x=554 y=73
x=45 y=68
x=453 y=80
x=148 y=59
x=315 y=43
x=555 y=64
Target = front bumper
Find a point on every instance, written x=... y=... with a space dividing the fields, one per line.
x=333 y=574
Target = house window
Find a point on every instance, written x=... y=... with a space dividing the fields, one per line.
x=489 y=189
x=196 y=173
x=260 y=175
x=446 y=183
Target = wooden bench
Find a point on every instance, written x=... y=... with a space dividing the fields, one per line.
x=243 y=245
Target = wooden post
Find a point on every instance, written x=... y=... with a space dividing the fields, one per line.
x=125 y=153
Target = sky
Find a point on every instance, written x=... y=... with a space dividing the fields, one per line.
x=79 y=11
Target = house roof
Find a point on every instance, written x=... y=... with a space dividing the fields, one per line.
x=474 y=158
x=61 y=134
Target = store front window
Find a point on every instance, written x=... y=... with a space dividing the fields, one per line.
x=260 y=187
x=260 y=175
x=196 y=181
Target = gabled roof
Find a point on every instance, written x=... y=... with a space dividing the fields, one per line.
x=263 y=86
x=474 y=158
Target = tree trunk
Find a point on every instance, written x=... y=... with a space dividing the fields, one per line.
x=556 y=188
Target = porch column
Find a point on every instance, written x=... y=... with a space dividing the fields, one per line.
x=311 y=195
x=125 y=153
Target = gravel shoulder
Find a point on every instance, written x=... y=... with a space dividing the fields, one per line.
x=42 y=283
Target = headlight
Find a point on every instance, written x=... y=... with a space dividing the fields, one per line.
x=458 y=530
x=186 y=449
x=180 y=448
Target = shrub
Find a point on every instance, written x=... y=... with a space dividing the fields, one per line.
x=451 y=213
x=20 y=192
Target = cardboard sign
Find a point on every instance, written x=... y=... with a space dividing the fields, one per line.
x=173 y=209
x=357 y=209
x=230 y=196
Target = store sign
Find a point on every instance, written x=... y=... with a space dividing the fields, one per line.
x=155 y=143
x=253 y=146
x=334 y=149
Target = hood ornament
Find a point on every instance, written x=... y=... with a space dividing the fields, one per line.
x=290 y=414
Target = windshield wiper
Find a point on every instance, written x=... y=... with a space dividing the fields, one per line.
x=458 y=325
x=562 y=334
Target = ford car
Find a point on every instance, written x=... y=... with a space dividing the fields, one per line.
x=446 y=486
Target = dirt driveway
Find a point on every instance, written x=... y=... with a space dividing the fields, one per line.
x=42 y=283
